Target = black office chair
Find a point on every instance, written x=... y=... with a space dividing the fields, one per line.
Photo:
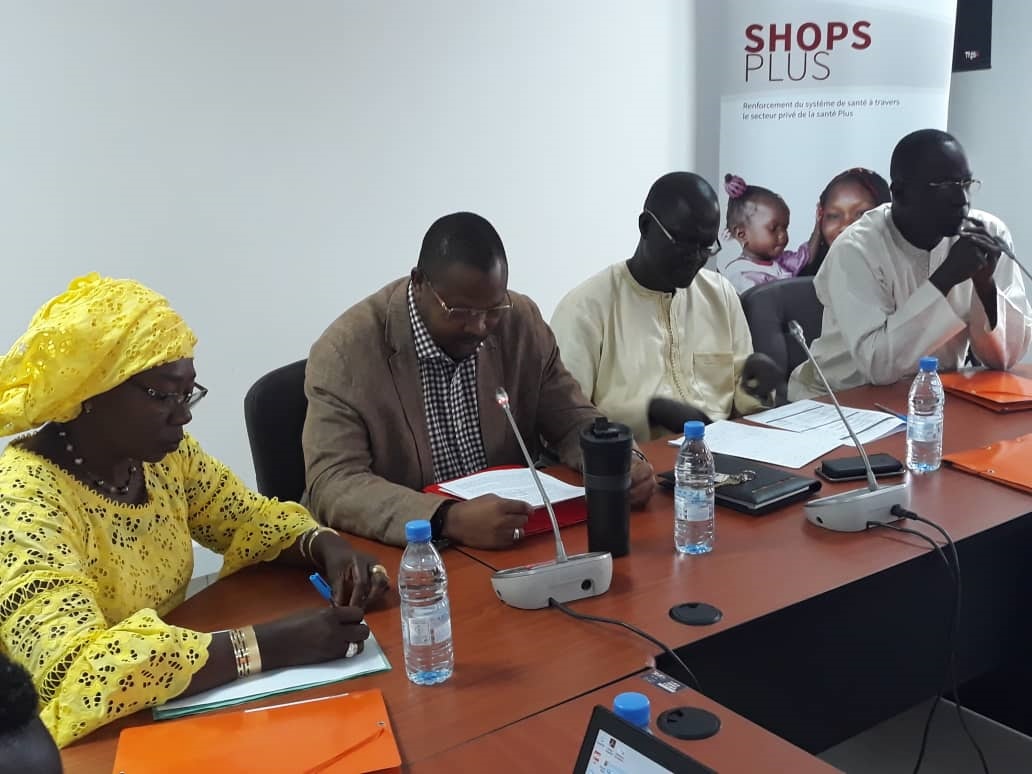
x=770 y=307
x=274 y=412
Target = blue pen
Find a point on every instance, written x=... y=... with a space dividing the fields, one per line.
x=887 y=410
x=321 y=586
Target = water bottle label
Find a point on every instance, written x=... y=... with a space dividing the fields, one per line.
x=429 y=629
x=923 y=429
x=694 y=505
x=442 y=631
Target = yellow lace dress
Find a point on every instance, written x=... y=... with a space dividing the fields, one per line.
x=85 y=580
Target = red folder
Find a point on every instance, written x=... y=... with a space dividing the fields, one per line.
x=567 y=512
x=995 y=390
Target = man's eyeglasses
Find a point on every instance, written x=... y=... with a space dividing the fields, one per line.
x=968 y=185
x=173 y=399
x=687 y=247
x=461 y=314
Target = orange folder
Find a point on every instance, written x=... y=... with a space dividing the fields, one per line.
x=995 y=390
x=1006 y=462
x=567 y=512
x=336 y=734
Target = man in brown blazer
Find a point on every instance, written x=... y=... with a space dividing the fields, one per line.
x=401 y=394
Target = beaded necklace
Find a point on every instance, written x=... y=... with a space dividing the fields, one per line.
x=98 y=482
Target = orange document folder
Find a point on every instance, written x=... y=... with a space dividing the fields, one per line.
x=336 y=734
x=566 y=513
x=1006 y=462
x=995 y=390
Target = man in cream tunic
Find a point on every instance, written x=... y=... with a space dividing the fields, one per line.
x=919 y=276
x=657 y=339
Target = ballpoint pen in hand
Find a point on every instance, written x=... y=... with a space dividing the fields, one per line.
x=322 y=586
x=327 y=593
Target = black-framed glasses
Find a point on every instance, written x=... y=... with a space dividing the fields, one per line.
x=687 y=247
x=968 y=184
x=173 y=399
x=463 y=314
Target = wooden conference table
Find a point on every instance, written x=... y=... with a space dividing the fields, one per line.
x=534 y=675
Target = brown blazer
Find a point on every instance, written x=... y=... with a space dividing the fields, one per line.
x=366 y=445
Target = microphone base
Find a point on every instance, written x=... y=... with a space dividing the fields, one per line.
x=851 y=511
x=580 y=576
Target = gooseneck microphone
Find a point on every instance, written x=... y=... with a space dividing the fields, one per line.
x=851 y=511
x=502 y=397
x=564 y=578
x=797 y=333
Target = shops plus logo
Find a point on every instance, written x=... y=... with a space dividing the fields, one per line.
x=786 y=52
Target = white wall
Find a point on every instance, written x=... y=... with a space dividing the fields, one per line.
x=267 y=163
x=988 y=114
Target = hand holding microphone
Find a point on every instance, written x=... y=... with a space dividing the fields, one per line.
x=973 y=256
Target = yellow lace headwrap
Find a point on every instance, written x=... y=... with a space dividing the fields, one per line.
x=86 y=341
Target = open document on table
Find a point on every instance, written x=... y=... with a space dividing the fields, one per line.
x=762 y=444
x=514 y=484
x=810 y=416
x=796 y=434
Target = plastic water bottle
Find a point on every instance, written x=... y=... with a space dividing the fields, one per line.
x=634 y=708
x=425 y=613
x=924 y=418
x=693 y=493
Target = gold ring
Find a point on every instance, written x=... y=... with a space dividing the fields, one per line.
x=379 y=569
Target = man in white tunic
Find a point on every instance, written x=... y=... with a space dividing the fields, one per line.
x=657 y=340
x=919 y=276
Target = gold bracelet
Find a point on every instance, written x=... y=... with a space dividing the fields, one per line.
x=254 y=654
x=243 y=664
x=306 y=536
x=311 y=541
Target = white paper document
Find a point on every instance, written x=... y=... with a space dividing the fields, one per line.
x=513 y=484
x=810 y=416
x=775 y=447
x=370 y=660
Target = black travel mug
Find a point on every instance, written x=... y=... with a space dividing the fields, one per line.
x=606 y=447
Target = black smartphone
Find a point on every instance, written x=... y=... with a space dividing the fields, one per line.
x=852 y=468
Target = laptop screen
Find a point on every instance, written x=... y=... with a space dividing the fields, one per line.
x=614 y=746
x=611 y=756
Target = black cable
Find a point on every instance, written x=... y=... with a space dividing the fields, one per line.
x=898 y=510
x=951 y=663
x=553 y=602
x=950 y=638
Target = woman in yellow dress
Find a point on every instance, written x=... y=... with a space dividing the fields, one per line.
x=98 y=507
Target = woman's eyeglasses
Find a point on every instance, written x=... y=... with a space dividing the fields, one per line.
x=172 y=399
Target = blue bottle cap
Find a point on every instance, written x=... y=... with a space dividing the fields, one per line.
x=632 y=707
x=694 y=429
x=417 y=531
x=929 y=363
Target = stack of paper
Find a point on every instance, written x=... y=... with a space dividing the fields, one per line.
x=512 y=484
x=804 y=431
x=805 y=416
x=369 y=661
x=775 y=447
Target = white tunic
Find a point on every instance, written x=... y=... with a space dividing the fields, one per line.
x=626 y=344
x=881 y=314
